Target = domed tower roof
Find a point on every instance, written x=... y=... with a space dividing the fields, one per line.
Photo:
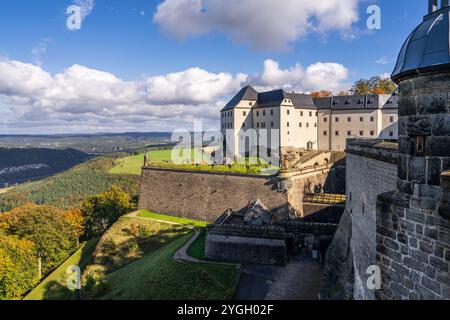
x=428 y=46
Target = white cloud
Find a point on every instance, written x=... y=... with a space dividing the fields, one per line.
x=263 y=24
x=81 y=99
x=383 y=60
x=318 y=76
x=86 y=7
x=39 y=50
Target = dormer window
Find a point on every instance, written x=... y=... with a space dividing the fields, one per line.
x=250 y=103
x=347 y=102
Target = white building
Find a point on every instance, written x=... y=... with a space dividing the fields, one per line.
x=277 y=119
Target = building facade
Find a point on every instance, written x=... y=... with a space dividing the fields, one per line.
x=278 y=119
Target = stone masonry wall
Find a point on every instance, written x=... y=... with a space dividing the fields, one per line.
x=205 y=196
x=372 y=170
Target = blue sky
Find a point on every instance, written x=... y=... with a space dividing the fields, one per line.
x=125 y=40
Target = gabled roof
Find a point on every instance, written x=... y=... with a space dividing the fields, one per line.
x=276 y=97
x=246 y=93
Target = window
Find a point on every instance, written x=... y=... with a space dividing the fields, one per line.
x=310 y=113
x=231 y=113
x=372 y=119
x=349 y=133
x=264 y=113
x=288 y=124
x=336 y=133
x=361 y=133
x=301 y=113
x=307 y=124
x=372 y=133
x=315 y=124
x=391 y=119
x=349 y=119
x=361 y=119
x=249 y=103
x=263 y=125
x=288 y=133
x=325 y=120
x=325 y=133
x=391 y=133
x=244 y=113
x=257 y=124
x=257 y=113
x=337 y=119
x=300 y=125
x=288 y=112
x=271 y=112
x=271 y=124
x=317 y=113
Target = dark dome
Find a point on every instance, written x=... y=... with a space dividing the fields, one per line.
x=427 y=46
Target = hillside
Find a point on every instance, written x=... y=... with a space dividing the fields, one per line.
x=69 y=188
x=20 y=165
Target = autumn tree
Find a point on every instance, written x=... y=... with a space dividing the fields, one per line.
x=18 y=267
x=322 y=94
x=76 y=219
x=102 y=210
x=46 y=226
x=374 y=85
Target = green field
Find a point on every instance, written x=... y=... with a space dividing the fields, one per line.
x=155 y=275
x=156 y=216
x=54 y=286
x=158 y=277
x=163 y=159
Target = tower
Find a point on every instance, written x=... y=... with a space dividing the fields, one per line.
x=413 y=226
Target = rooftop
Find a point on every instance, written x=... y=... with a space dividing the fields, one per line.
x=428 y=46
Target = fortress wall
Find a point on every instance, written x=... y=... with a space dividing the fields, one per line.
x=205 y=196
x=371 y=170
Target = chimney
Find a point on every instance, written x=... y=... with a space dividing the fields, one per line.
x=433 y=5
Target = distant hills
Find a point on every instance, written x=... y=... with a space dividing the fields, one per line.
x=19 y=165
x=101 y=143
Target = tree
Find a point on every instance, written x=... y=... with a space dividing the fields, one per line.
x=18 y=267
x=76 y=219
x=322 y=94
x=374 y=85
x=102 y=210
x=47 y=227
x=343 y=93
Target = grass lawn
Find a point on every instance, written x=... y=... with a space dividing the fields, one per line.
x=197 y=248
x=54 y=286
x=158 y=277
x=156 y=216
x=162 y=159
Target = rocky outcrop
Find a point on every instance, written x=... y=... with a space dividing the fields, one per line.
x=338 y=275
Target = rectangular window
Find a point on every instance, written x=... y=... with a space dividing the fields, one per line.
x=271 y=112
x=337 y=119
x=315 y=124
x=391 y=119
x=301 y=113
x=372 y=119
x=263 y=125
x=325 y=119
x=349 y=133
x=349 y=119
x=264 y=112
x=288 y=124
x=244 y=113
x=288 y=112
x=361 y=133
x=257 y=124
x=372 y=133
x=300 y=125
x=391 y=133
x=257 y=113
x=324 y=133
x=307 y=124
x=271 y=124
x=361 y=119
x=310 y=113
x=336 y=133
